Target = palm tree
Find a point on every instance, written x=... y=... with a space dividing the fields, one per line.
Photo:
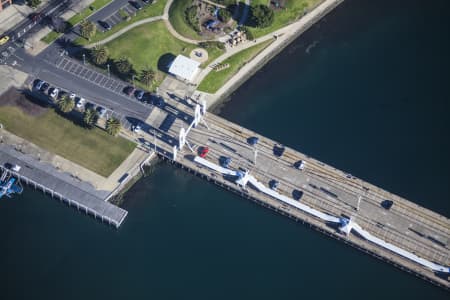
x=113 y=126
x=124 y=65
x=99 y=55
x=90 y=117
x=65 y=104
x=87 y=29
x=147 y=76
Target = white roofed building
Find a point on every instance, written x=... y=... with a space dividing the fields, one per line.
x=184 y=68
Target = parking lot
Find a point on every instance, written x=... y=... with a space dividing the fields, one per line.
x=96 y=77
x=116 y=17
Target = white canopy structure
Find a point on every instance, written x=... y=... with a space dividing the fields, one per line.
x=184 y=67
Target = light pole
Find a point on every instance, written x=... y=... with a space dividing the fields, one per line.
x=109 y=75
x=84 y=58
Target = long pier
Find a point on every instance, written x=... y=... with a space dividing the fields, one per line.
x=418 y=233
x=61 y=186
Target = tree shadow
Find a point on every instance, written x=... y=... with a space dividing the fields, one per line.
x=165 y=61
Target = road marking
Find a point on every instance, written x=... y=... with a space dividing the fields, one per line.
x=72 y=69
x=118 y=88
x=78 y=70
x=67 y=66
x=61 y=62
x=99 y=79
x=88 y=74
x=93 y=78
x=104 y=80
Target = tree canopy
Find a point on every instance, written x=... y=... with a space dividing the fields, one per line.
x=65 y=104
x=113 y=126
x=262 y=16
x=87 y=29
x=100 y=55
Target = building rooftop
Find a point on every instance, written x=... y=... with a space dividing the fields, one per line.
x=184 y=67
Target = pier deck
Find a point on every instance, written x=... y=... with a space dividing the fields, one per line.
x=327 y=189
x=62 y=186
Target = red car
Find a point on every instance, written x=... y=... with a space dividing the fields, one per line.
x=203 y=151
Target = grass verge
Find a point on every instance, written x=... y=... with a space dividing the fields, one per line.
x=292 y=12
x=53 y=35
x=148 y=11
x=215 y=80
x=176 y=18
x=93 y=149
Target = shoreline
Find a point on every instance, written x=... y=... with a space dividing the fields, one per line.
x=284 y=39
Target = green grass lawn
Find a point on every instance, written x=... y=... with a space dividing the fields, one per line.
x=215 y=80
x=176 y=18
x=93 y=149
x=146 y=44
x=294 y=10
x=49 y=38
x=148 y=11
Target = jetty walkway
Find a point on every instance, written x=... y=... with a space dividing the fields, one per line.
x=62 y=186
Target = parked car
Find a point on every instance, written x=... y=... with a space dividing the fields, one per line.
x=299 y=164
x=4 y=39
x=203 y=151
x=39 y=84
x=13 y=167
x=139 y=94
x=62 y=94
x=273 y=184
x=135 y=4
x=101 y=111
x=158 y=101
x=136 y=128
x=72 y=96
x=81 y=102
x=105 y=25
x=44 y=87
x=129 y=90
x=53 y=92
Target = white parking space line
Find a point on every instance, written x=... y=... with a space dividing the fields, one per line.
x=78 y=70
x=104 y=80
x=129 y=9
x=93 y=77
x=98 y=79
x=116 y=18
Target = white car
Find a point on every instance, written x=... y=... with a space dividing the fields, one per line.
x=72 y=96
x=54 y=93
x=300 y=165
x=136 y=128
x=81 y=102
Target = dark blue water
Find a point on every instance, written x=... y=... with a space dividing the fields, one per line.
x=371 y=98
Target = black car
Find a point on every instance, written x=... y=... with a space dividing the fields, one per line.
x=129 y=90
x=158 y=101
x=105 y=25
x=44 y=87
x=135 y=5
x=139 y=94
